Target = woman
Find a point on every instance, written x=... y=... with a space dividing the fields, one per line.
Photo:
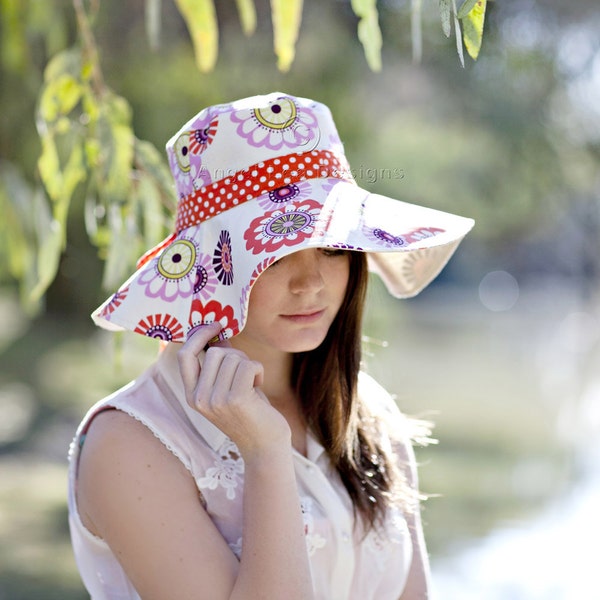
x=253 y=460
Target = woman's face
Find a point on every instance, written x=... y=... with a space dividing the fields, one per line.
x=295 y=300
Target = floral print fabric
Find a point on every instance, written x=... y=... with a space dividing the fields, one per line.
x=256 y=180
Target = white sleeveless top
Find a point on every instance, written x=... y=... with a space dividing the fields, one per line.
x=344 y=564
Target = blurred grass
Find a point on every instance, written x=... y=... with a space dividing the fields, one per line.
x=498 y=459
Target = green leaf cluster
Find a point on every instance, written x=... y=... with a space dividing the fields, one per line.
x=472 y=16
x=89 y=150
x=89 y=153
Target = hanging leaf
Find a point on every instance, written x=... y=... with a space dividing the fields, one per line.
x=59 y=97
x=457 y=32
x=147 y=197
x=17 y=213
x=445 y=13
x=466 y=8
x=286 y=15
x=416 y=32
x=73 y=174
x=115 y=138
x=123 y=249
x=247 y=12
x=13 y=41
x=369 y=32
x=201 y=21
x=473 y=28
x=148 y=158
x=50 y=235
x=49 y=166
x=153 y=22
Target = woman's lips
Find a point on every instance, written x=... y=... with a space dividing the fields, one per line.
x=305 y=317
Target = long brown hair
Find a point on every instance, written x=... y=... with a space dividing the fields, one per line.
x=326 y=380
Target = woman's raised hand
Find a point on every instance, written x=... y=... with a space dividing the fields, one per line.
x=223 y=385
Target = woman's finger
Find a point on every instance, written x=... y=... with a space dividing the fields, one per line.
x=188 y=356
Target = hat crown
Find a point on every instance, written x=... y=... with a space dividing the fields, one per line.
x=225 y=139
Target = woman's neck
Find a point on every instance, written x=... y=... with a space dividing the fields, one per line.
x=277 y=386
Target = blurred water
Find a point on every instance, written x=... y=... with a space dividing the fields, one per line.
x=554 y=557
x=556 y=554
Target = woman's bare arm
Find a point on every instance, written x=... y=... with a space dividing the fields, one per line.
x=140 y=498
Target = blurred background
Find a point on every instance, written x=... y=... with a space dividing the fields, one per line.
x=502 y=352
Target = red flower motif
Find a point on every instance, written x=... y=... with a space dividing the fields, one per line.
x=162 y=327
x=286 y=226
x=115 y=301
x=204 y=314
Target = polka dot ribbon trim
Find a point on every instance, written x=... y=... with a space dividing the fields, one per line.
x=258 y=179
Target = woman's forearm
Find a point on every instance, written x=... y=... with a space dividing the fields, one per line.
x=274 y=562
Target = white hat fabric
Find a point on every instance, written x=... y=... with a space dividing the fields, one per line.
x=258 y=179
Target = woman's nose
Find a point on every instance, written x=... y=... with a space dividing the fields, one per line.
x=305 y=272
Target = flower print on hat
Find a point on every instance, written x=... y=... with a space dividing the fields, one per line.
x=206 y=281
x=162 y=327
x=281 y=123
x=172 y=274
x=185 y=156
x=283 y=194
x=222 y=261
x=115 y=302
x=385 y=238
x=286 y=226
x=256 y=179
x=205 y=314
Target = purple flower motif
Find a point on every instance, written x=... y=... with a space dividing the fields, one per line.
x=285 y=193
x=222 y=259
x=172 y=273
x=185 y=155
x=384 y=238
x=282 y=123
x=206 y=281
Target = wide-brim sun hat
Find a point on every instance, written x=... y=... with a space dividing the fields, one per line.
x=258 y=179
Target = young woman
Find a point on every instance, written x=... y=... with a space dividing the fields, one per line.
x=254 y=459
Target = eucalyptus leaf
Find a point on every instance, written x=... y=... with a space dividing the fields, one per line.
x=50 y=235
x=116 y=140
x=148 y=158
x=416 y=31
x=147 y=196
x=473 y=28
x=466 y=8
x=369 y=32
x=458 y=34
x=49 y=166
x=247 y=12
x=73 y=174
x=201 y=21
x=445 y=15
x=153 y=22
x=68 y=61
x=17 y=212
x=120 y=251
x=286 y=15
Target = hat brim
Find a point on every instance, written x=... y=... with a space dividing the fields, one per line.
x=206 y=272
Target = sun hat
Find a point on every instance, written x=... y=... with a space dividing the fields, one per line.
x=258 y=179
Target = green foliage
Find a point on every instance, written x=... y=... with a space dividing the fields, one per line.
x=286 y=24
x=201 y=21
x=89 y=152
x=89 y=149
x=472 y=14
x=369 y=33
